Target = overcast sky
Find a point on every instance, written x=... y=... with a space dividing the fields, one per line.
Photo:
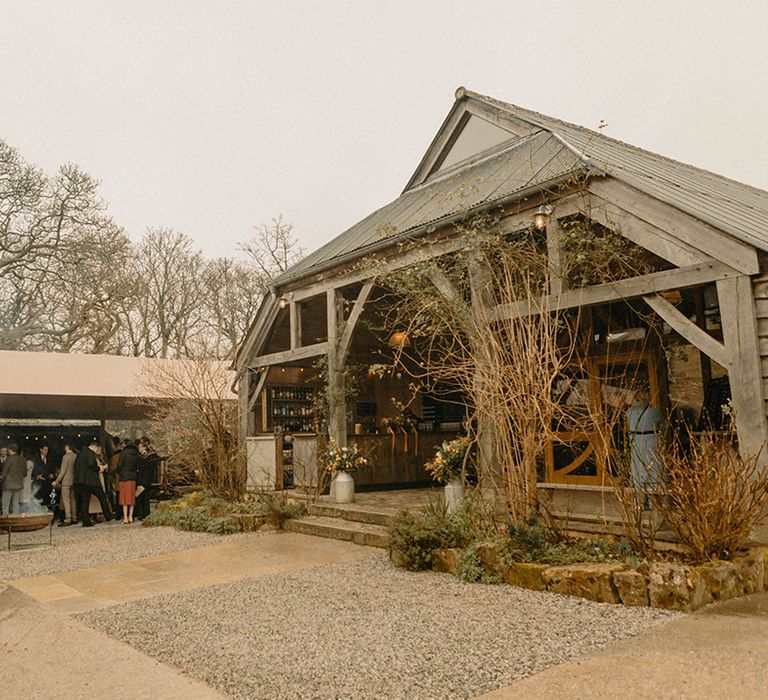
x=210 y=117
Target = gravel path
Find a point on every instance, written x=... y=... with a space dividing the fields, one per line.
x=77 y=547
x=366 y=630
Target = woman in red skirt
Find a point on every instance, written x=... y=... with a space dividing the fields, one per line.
x=127 y=464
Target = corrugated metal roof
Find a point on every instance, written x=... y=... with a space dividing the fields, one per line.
x=518 y=165
x=734 y=207
x=554 y=149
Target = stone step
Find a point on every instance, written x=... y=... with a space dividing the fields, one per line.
x=338 y=529
x=351 y=512
x=597 y=526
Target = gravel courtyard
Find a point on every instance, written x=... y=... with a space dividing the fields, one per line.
x=364 y=629
x=107 y=543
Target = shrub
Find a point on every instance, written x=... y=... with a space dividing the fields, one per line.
x=471 y=568
x=193 y=520
x=272 y=508
x=221 y=526
x=416 y=534
x=535 y=542
x=217 y=507
x=160 y=517
x=711 y=495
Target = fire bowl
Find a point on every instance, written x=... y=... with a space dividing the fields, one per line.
x=24 y=522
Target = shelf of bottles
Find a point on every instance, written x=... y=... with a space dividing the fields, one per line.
x=291 y=409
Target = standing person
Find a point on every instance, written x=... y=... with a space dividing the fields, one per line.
x=14 y=471
x=127 y=469
x=114 y=477
x=66 y=480
x=3 y=457
x=42 y=476
x=145 y=474
x=25 y=499
x=87 y=472
x=645 y=424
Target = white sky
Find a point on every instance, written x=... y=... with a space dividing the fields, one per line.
x=211 y=117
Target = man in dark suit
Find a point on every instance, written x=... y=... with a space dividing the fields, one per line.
x=87 y=480
x=145 y=477
x=42 y=476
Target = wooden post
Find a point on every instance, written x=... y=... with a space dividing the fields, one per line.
x=482 y=303
x=247 y=426
x=557 y=283
x=295 y=324
x=337 y=404
x=737 y=314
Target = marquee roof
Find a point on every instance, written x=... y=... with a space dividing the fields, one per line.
x=69 y=386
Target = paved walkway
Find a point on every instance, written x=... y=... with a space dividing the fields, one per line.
x=47 y=654
x=102 y=586
x=718 y=652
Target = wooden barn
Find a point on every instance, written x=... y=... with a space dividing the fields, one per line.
x=705 y=287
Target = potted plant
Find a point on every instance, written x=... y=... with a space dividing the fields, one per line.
x=446 y=468
x=340 y=461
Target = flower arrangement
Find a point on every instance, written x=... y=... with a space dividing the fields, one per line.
x=448 y=460
x=344 y=459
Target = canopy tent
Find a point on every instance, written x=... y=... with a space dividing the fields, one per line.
x=89 y=387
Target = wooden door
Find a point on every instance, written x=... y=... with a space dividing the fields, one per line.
x=580 y=455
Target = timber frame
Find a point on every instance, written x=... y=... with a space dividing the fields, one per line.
x=595 y=183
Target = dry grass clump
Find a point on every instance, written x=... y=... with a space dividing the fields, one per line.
x=711 y=495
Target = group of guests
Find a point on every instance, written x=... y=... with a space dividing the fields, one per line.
x=83 y=484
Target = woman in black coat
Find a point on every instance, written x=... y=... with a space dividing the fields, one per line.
x=127 y=470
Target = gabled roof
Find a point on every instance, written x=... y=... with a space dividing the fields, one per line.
x=540 y=152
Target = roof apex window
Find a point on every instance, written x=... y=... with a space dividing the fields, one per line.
x=476 y=135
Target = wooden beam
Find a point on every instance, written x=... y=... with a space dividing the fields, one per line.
x=401 y=257
x=482 y=303
x=557 y=282
x=258 y=389
x=737 y=314
x=349 y=326
x=279 y=358
x=679 y=278
x=685 y=228
x=688 y=329
x=247 y=423
x=644 y=234
x=295 y=324
x=337 y=403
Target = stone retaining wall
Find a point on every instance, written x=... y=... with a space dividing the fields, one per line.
x=663 y=585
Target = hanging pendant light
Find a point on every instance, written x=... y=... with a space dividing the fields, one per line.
x=399 y=339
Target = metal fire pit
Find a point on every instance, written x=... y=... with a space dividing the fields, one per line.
x=27 y=523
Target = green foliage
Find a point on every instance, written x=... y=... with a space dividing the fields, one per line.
x=471 y=568
x=272 y=508
x=161 y=517
x=533 y=541
x=416 y=534
x=594 y=254
x=193 y=520
x=221 y=526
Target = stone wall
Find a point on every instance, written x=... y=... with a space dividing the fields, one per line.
x=660 y=585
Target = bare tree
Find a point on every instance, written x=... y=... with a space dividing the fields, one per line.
x=196 y=417
x=505 y=365
x=166 y=314
x=272 y=249
x=45 y=223
x=232 y=294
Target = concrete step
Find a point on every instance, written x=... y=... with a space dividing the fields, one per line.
x=339 y=529
x=351 y=512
